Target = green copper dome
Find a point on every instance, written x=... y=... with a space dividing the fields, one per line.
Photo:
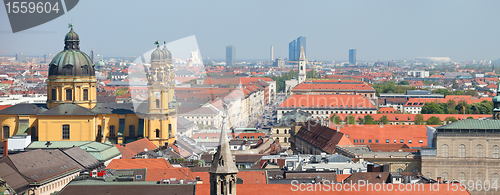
x=71 y=61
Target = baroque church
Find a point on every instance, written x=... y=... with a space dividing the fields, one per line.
x=72 y=112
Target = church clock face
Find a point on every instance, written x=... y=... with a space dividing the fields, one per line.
x=157 y=94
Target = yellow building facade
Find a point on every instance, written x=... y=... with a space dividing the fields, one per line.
x=72 y=112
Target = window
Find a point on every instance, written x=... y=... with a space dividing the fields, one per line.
x=461 y=176
x=138 y=176
x=395 y=141
x=399 y=170
x=409 y=141
x=479 y=176
x=6 y=132
x=33 y=133
x=444 y=176
x=53 y=94
x=169 y=130
x=444 y=151
x=65 y=131
x=479 y=151
x=376 y=141
x=85 y=94
x=69 y=94
x=402 y=141
x=285 y=131
x=494 y=178
x=461 y=150
x=99 y=131
x=112 y=132
x=286 y=140
x=131 y=130
x=421 y=141
x=277 y=131
x=496 y=152
x=157 y=103
x=369 y=141
x=158 y=133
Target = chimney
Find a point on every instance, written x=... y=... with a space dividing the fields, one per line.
x=439 y=179
x=5 y=148
x=381 y=125
x=338 y=128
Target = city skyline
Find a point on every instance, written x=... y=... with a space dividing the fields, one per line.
x=389 y=30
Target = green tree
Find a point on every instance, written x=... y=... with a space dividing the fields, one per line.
x=433 y=120
x=368 y=119
x=336 y=119
x=384 y=120
x=312 y=74
x=404 y=83
x=419 y=119
x=455 y=84
x=431 y=108
x=450 y=119
x=350 y=119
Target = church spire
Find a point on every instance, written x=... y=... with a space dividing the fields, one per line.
x=223 y=160
x=302 y=55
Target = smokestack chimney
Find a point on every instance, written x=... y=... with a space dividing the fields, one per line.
x=5 y=148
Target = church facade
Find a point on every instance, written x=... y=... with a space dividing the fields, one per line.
x=72 y=112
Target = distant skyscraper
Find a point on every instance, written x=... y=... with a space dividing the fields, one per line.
x=20 y=57
x=291 y=50
x=272 y=53
x=294 y=48
x=230 y=55
x=352 y=56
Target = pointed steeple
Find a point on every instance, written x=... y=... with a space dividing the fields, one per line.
x=223 y=160
x=302 y=55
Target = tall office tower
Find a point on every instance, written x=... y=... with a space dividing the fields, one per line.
x=294 y=48
x=302 y=65
x=291 y=50
x=352 y=56
x=272 y=53
x=230 y=55
x=92 y=56
x=301 y=43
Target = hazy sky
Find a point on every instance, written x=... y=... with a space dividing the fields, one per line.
x=379 y=30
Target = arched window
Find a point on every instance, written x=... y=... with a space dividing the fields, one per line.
x=85 y=94
x=69 y=94
x=495 y=152
x=157 y=103
x=444 y=150
x=428 y=175
x=479 y=176
x=277 y=131
x=53 y=94
x=461 y=176
x=131 y=131
x=479 y=151
x=285 y=131
x=158 y=133
x=399 y=170
x=444 y=176
x=112 y=132
x=461 y=151
x=286 y=140
x=6 y=132
x=494 y=178
x=301 y=67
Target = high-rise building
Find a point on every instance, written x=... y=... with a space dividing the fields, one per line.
x=352 y=56
x=48 y=57
x=291 y=50
x=95 y=57
x=230 y=55
x=272 y=53
x=21 y=57
x=294 y=48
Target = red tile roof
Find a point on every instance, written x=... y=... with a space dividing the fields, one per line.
x=457 y=98
x=332 y=101
x=387 y=110
x=361 y=134
x=4 y=106
x=131 y=149
x=411 y=117
x=150 y=163
x=333 y=85
x=322 y=137
x=177 y=173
